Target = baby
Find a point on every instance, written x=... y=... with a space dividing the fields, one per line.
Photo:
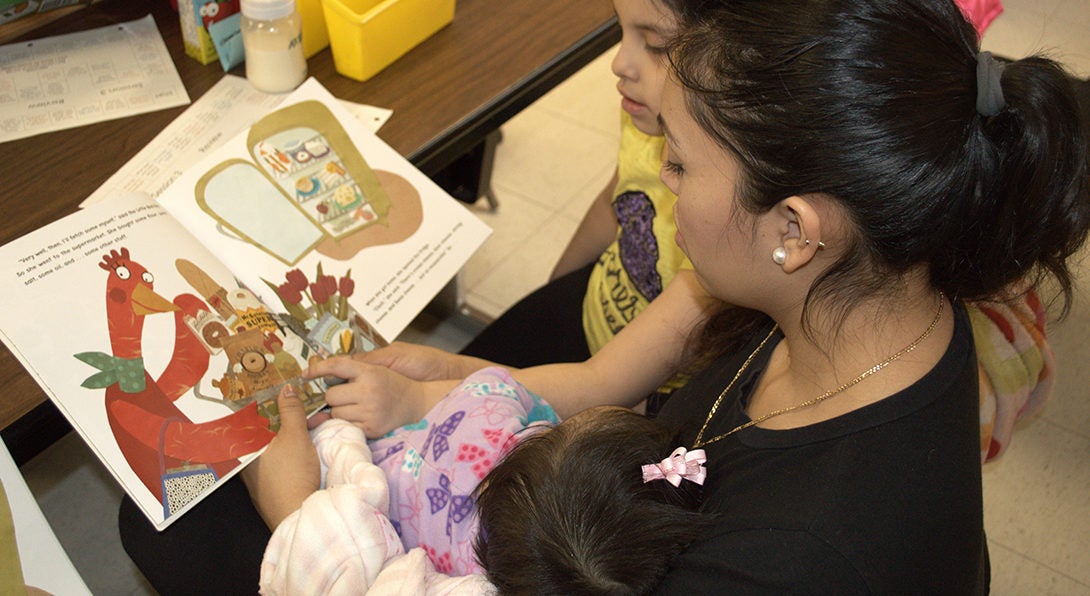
x=589 y=504
x=577 y=510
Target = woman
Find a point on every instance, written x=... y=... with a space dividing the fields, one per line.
x=849 y=176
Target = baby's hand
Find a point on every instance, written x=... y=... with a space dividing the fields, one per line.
x=288 y=471
x=373 y=397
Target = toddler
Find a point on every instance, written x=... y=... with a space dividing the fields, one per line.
x=596 y=503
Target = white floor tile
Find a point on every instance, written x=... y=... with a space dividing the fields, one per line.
x=1037 y=499
x=1069 y=407
x=1018 y=32
x=529 y=267
x=1057 y=27
x=1015 y=575
x=1068 y=27
x=589 y=97
x=484 y=307
x=551 y=160
x=515 y=220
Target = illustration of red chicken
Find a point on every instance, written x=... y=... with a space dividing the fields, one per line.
x=152 y=433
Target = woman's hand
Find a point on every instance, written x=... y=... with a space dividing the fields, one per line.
x=376 y=398
x=288 y=471
x=423 y=363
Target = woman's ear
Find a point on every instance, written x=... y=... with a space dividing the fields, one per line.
x=800 y=231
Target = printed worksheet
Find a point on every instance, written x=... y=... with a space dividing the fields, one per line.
x=81 y=78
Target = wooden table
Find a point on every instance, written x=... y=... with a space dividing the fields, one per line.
x=447 y=95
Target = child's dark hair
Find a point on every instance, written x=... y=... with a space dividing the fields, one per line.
x=874 y=103
x=690 y=10
x=567 y=511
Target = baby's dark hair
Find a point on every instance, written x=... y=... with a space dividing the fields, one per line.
x=874 y=103
x=567 y=511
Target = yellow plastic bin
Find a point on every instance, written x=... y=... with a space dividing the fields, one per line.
x=367 y=35
x=315 y=34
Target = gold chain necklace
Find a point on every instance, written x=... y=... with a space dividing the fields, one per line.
x=700 y=442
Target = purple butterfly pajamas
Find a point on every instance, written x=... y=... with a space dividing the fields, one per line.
x=434 y=466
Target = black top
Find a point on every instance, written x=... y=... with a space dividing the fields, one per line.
x=884 y=499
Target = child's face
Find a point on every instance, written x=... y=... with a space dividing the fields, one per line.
x=640 y=63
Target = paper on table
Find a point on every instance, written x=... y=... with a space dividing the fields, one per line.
x=371 y=116
x=229 y=107
x=81 y=78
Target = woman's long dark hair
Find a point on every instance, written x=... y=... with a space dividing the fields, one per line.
x=874 y=104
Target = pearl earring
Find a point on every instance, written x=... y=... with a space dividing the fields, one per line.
x=779 y=255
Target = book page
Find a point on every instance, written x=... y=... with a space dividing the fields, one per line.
x=150 y=347
x=307 y=197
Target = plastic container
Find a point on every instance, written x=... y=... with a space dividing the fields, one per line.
x=272 y=33
x=367 y=35
x=315 y=35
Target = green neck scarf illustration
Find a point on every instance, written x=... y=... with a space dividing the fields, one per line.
x=126 y=372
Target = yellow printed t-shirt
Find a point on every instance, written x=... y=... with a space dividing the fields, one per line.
x=644 y=257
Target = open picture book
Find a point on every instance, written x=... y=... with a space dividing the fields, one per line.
x=164 y=328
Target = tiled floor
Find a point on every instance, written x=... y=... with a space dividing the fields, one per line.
x=554 y=159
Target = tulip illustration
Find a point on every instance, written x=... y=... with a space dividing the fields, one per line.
x=346 y=286
x=327 y=295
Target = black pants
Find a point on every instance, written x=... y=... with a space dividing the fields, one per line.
x=217 y=546
x=544 y=327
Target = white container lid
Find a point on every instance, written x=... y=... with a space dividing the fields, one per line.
x=267 y=10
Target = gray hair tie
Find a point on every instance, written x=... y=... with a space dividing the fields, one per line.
x=989 y=90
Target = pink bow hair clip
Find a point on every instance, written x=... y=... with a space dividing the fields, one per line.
x=681 y=464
